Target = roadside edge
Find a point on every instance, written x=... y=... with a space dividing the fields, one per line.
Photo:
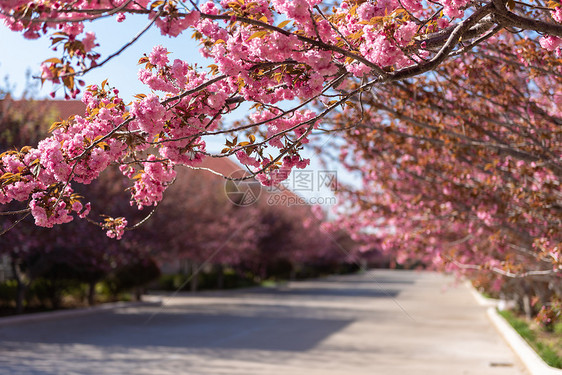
x=532 y=361
x=528 y=356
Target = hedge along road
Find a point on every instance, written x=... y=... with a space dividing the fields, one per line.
x=379 y=322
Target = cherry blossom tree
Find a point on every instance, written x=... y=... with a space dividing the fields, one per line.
x=74 y=251
x=462 y=167
x=271 y=54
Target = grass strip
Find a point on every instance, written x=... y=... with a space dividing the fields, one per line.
x=543 y=350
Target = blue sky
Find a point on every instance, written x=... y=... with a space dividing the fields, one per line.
x=27 y=54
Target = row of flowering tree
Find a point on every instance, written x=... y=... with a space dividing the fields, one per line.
x=462 y=168
x=450 y=110
x=196 y=222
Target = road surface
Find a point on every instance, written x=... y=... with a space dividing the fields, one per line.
x=380 y=322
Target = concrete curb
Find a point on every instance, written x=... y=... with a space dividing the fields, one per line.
x=49 y=315
x=528 y=356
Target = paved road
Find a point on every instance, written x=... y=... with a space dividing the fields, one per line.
x=382 y=322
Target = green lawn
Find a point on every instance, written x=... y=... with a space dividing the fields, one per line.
x=547 y=344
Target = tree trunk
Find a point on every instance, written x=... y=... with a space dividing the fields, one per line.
x=54 y=295
x=525 y=300
x=184 y=267
x=363 y=265
x=220 y=276
x=20 y=296
x=527 y=306
x=263 y=272
x=92 y=293
x=194 y=277
x=21 y=287
x=138 y=293
x=293 y=273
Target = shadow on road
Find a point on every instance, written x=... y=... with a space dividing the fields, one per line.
x=184 y=330
x=329 y=292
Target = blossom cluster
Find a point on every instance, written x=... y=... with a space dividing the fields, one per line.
x=458 y=181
